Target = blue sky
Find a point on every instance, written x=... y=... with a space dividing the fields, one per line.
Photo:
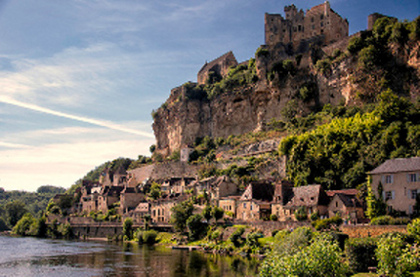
x=79 y=78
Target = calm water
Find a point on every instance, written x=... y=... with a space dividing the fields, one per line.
x=42 y=257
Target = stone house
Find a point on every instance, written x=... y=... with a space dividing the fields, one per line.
x=400 y=181
x=130 y=198
x=160 y=210
x=219 y=67
x=142 y=209
x=222 y=186
x=320 y=21
x=89 y=198
x=108 y=197
x=228 y=204
x=283 y=192
x=254 y=203
x=346 y=204
x=139 y=176
x=312 y=197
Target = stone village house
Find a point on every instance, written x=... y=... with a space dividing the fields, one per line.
x=400 y=181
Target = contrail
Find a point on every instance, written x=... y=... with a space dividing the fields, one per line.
x=106 y=124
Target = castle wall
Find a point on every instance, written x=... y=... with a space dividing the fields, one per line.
x=318 y=21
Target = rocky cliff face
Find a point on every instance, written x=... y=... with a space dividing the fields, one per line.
x=248 y=107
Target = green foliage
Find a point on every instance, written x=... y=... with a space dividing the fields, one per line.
x=375 y=206
x=360 y=253
x=180 y=214
x=128 y=229
x=282 y=69
x=301 y=214
x=356 y=44
x=262 y=52
x=207 y=212
x=414 y=229
x=217 y=213
x=236 y=236
x=22 y=226
x=324 y=66
x=196 y=227
x=314 y=216
x=14 y=212
x=155 y=191
x=147 y=237
x=395 y=257
x=322 y=257
x=308 y=91
x=327 y=223
x=273 y=217
x=48 y=189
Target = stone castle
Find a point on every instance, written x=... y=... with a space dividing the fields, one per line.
x=319 y=21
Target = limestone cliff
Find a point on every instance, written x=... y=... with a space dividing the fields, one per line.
x=282 y=84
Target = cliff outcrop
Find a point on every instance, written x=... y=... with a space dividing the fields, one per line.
x=281 y=83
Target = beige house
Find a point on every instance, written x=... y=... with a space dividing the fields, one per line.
x=400 y=181
x=345 y=204
x=255 y=202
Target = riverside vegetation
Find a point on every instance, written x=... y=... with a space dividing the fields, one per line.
x=333 y=146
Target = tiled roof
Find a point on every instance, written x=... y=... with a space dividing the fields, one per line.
x=259 y=191
x=215 y=61
x=331 y=193
x=307 y=196
x=398 y=165
x=348 y=200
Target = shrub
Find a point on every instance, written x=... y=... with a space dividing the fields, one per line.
x=301 y=214
x=382 y=220
x=314 y=216
x=360 y=253
x=22 y=226
x=414 y=229
x=261 y=52
x=327 y=223
x=149 y=237
x=273 y=217
x=395 y=257
x=195 y=226
x=128 y=229
x=236 y=237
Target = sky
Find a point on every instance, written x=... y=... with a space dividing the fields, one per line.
x=80 y=78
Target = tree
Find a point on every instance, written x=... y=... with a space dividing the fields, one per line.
x=207 y=212
x=375 y=206
x=155 y=191
x=217 y=213
x=152 y=148
x=414 y=229
x=22 y=226
x=128 y=229
x=180 y=214
x=196 y=227
x=395 y=257
x=14 y=212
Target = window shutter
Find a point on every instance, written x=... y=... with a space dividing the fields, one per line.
x=418 y=177
x=383 y=196
x=383 y=179
x=392 y=179
x=393 y=194
x=408 y=178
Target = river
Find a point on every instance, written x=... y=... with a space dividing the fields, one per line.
x=45 y=257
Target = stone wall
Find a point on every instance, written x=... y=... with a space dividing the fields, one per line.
x=363 y=231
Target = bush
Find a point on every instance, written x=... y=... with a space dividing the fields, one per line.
x=360 y=253
x=195 y=226
x=301 y=214
x=395 y=257
x=128 y=229
x=236 y=237
x=389 y=220
x=149 y=237
x=273 y=217
x=327 y=223
x=414 y=229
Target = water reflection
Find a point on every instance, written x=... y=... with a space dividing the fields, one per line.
x=61 y=258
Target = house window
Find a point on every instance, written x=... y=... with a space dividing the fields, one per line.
x=244 y=205
x=389 y=195
x=388 y=179
x=336 y=204
x=412 y=177
x=251 y=207
x=322 y=24
x=414 y=194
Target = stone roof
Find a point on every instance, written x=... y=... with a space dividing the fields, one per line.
x=259 y=191
x=307 y=196
x=209 y=65
x=398 y=165
x=349 y=200
x=331 y=193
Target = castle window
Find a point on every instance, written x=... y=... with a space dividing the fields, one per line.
x=294 y=29
x=322 y=31
x=313 y=27
x=299 y=28
x=322 y=16
x=312 y=19
x=322 y=24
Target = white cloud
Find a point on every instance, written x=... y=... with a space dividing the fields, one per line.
x=63 y=164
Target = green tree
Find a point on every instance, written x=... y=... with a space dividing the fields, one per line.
x=155 y=191
x=414 y=229
x=128 y=229
x=207 y=212
x=217 y=213
x=180 y=214
x=14 y=212
x=196 y=227
x=375 y=205
x=395 y=257
x=23 y=225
